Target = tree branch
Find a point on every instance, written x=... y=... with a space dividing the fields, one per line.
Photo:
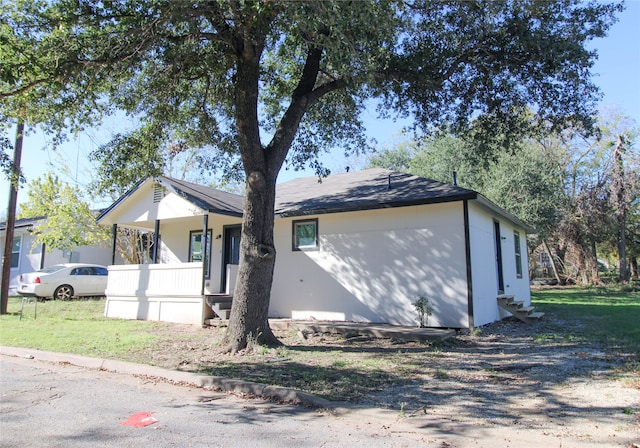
x=303 y=96
x=24 y=88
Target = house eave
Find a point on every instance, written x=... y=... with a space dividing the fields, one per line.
x=120 y=200
x=496 y=209
x=166 y=183
x=22 y=223
x=357 y=207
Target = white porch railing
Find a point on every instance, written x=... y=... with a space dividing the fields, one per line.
x=164 y=292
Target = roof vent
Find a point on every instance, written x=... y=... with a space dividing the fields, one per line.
x=158 y=193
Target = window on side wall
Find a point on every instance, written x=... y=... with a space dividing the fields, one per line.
x=196 y=248
x=15 y=251
x=305 y=234
x=516 y=241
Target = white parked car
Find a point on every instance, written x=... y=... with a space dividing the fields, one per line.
x=64 y=281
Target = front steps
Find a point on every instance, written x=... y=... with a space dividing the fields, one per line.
x=220 y=304
x=517 y=308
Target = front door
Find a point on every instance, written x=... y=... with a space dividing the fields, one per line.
x=498 y=245
x=230 y=256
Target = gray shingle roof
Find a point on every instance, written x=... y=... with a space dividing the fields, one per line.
x=359 y=190
x=24 y=222
x=207 y=198
x=362 y=190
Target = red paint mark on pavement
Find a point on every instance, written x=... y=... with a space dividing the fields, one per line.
x=140 y=419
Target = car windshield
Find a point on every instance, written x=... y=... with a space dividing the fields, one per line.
x=51 y=269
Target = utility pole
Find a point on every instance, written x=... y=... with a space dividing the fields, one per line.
x=11 y=218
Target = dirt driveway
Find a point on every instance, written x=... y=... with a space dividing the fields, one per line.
x=508 y=384
x=518 y=385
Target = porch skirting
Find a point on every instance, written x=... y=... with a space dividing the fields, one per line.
x=161 y=292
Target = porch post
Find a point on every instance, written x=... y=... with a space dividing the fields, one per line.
x=467 y=252
x=43 y=251
x=156 y=235
x=205 y=256
x=114 y=238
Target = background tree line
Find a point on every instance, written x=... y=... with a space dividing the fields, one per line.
x=581 y=193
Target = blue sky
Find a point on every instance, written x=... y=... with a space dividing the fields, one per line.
x=617 y=74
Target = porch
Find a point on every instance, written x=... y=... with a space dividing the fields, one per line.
x=169 y=292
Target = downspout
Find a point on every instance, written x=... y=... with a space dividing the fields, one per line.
x=467 y=252
x=114 y=239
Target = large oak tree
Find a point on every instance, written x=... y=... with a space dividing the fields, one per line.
x=257 y=84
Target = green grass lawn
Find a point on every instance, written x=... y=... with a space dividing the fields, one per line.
x=608 y=315
x=605 y=316
x=75 y=326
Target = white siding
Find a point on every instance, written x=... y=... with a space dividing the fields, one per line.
x=163 y=292
x=141 y=210
x=372 y=265
x=483 y=264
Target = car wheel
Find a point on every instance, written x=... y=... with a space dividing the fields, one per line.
x=64 y=292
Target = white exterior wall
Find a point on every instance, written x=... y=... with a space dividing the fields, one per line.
x=483 y=264
x=141 y=208
x=372 y=265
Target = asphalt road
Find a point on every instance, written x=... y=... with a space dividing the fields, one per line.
x=46 y=404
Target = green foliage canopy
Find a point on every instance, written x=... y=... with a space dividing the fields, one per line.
x=68 y=221
x=316 y=63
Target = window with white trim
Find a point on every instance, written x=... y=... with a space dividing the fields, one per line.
x=305 y=235
x=516 y=242
x=15 y=251
x=196 y=248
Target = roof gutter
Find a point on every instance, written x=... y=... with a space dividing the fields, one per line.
x=356 y=207
x=494 y=208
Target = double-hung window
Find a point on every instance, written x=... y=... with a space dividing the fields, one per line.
x=197 y=248
x=15 y=251
x=516 y=242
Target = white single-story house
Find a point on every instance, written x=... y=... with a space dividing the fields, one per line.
x=28 y=256
x=359 y=246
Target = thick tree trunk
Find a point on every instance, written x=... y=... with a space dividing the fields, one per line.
x=622 y=250
x=620 y=207
x=592 y=264
x=248 y=323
